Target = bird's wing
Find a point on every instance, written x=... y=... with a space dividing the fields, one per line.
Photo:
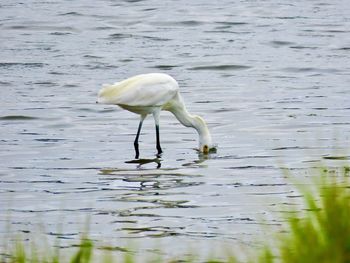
x=142 y=90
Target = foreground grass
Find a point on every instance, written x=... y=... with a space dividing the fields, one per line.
x=321 y=233
x=324 y=235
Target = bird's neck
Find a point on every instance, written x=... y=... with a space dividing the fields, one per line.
x=185 y=118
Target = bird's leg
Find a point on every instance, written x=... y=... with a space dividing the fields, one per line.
x=136 y=142
x=159 y=149
x=156 y=120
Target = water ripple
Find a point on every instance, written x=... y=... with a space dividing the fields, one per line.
x=22 y=64
x=221 y=67
x=17 y=117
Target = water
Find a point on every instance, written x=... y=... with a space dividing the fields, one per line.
x=270 y=78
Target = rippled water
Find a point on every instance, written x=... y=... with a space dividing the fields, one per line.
x=271 y=78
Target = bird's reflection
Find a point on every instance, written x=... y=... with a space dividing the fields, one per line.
x=202 y=157
x=141 y=162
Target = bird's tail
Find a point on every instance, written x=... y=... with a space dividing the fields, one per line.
x=106 y=85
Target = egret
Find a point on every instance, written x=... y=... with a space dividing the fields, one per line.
x=149 y=94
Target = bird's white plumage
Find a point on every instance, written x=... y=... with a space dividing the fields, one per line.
x=146 y=90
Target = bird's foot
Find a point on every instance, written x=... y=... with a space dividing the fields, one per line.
x=159 y=154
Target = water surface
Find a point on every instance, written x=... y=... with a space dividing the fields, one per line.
x=270 y=78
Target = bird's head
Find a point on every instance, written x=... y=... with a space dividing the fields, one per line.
x=205 y=142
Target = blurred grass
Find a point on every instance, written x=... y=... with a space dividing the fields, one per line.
x=322 y=233
x=319 y=233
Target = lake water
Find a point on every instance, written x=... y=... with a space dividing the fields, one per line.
x=271 y=78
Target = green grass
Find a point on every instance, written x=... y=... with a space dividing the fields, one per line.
x=319 y=233
x=322 y=234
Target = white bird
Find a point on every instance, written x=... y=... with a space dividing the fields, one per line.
x=149 y=94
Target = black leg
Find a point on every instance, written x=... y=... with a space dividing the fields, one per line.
x=159 y=149
x=136 y=142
